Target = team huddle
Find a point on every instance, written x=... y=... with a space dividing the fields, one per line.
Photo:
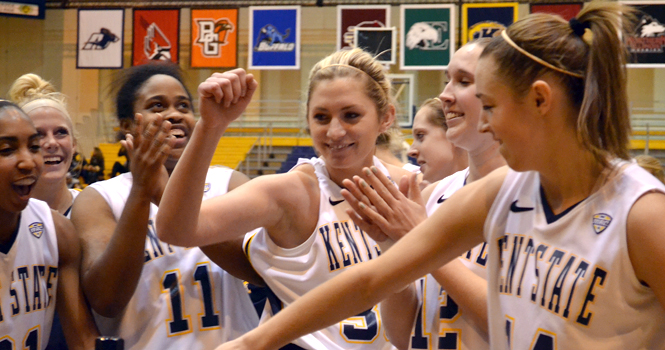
x=528 y=225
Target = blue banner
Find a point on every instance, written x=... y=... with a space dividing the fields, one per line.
x=274 y=37
x=26 y=8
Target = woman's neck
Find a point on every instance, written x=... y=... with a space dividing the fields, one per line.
x=9 y=223
x=483 y=162
x=59 y=200
x=339 y=175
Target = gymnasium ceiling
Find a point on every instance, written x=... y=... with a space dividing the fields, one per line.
x=243 y=3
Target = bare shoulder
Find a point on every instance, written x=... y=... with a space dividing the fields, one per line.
x=237 y=179
x=396 y=173
x=645 y=231
x=91 y=215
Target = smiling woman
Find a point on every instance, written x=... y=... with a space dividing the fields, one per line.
x=308 y=236
x=37 y=245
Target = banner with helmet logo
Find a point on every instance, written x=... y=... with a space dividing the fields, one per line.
x=428 y=36
x=350 y=17
x=646 y=44
x=566 y=11
x=156 y=36
x=100 y=38
x=274 y=37
x=486 y=20
x=214 y=38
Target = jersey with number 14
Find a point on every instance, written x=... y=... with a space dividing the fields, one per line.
x=335 y=246
x=566 y=281
x=440 y=323
x=182 y=300
x=28 y=280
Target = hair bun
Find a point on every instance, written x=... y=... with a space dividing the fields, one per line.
x=29 y=87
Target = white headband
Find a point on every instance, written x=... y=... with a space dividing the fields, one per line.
x=44 y=102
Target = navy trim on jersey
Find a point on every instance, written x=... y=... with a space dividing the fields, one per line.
x=549 y=215
x=67 y=211
x=6 y=247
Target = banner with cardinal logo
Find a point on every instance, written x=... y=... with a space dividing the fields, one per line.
x=214 y=38
x=156 y=36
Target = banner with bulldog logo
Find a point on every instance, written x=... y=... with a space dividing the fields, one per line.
x=350 y=17
x=566 y=11
x=486 y=20
x=156 y=36
x=100 y=38
x=274 y=37
x=427 y=37
x=647 y=42
x=214 y=38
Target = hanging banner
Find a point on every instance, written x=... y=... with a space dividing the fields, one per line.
x=35 y=9
x=567 y=11
x=274 y=37
x=156 y=36
x=99 y=40
x=350 y=17
x=486 y=20
x=381 y=43
x=646 y=44
x=214 y=38
x=428 y=36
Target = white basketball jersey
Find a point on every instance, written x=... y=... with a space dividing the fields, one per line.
x=440 y=323
x=182 y=300
x=566 y=281
x=28 y=280
x=336 y=245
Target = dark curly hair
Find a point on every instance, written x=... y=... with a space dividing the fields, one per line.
x=132 y=80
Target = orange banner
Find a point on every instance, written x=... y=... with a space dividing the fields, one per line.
x=214 y=38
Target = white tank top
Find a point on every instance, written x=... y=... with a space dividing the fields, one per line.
x=336 y=245
x=183 y=300
x=28 y=280
x=440 y=323
x=566 y=281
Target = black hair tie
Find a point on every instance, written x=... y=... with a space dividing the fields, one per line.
x=578 y=27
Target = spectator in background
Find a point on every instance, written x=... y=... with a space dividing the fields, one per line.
x=94 y=171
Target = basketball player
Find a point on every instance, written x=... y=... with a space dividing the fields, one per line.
x=435 y=154
x=574 y=230
x=152 y=294
x=308 y=237
x=454 y=316
x=38 y=246
x=47 y=109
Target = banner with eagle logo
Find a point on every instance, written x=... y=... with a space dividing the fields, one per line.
x=214 y=38
x=646 y=44
x=274 y=37
x=100 y=41
x=156 y=36
x=428 y=36
x=486 y=20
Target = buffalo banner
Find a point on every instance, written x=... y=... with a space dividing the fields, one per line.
x=350 y=17
x=100 y=38
x=486 y=20
x=274 y=37
x=214 y=38
x=156 y=36
x=647 y=42
x=566 y=11
x=428 y=36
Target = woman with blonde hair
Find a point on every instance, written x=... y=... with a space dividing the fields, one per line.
x=652 y=165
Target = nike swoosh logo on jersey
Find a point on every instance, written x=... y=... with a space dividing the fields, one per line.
x=334 y=203
x=515 y=209
x=441 y=199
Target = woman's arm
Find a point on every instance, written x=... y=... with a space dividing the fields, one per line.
x=455 y=227
x=113 y=252
x=646 y=241
x=398 y=313
x=78 y=325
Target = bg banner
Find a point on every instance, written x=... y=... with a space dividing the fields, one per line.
x=100 y=38
x=647 y=42
x=350 y=17
x=156 y=36
x=214 y=38
x=486 y=20
x=274 y=37
x=427 y=37
x=567 y=11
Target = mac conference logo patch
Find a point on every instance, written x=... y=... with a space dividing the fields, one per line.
x=600 y=222
x=37 y=229
x=206 y=187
